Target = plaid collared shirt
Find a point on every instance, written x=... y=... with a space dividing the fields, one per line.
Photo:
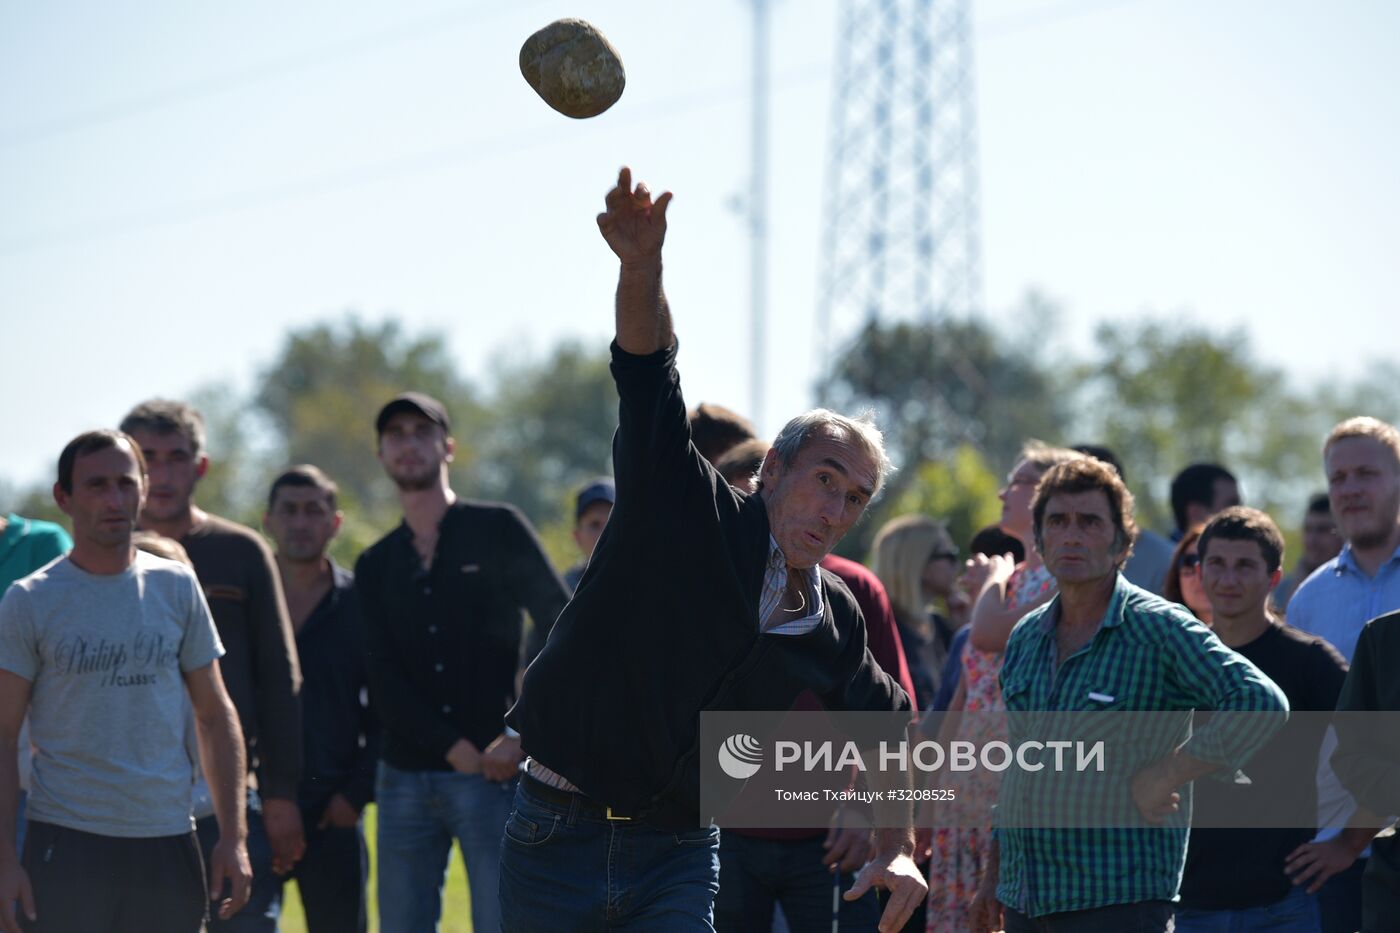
x=775 y=581
x=1148 y=655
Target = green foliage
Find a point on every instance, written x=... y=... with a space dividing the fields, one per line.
x=234 y=484
x=320 y=397
x=960 y=490
x=938 y=385
x=36 y=502
x=550 y=430
x=1164 y=394
x=956 y=399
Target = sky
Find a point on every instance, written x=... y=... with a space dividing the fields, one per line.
x=180 y=184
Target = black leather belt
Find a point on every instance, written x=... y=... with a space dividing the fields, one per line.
x=585 y=806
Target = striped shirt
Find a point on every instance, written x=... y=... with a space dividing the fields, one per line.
x=1338 y=599
x=775 y=581
x=1147 y=655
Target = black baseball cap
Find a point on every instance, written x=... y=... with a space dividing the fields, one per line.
x=418 y=404
x=600 y=490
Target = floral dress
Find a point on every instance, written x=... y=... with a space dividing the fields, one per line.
x=960 y=853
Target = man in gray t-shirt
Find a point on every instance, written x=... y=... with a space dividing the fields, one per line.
x=108 y=649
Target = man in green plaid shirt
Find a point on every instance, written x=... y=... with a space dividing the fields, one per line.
x=1103 y=646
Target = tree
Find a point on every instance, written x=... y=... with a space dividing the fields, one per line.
x=1165 y=394
x=939 y=384
x=960 y=490
x=939 y=387
x=545 y=426
x=551 y=423
x=321 y=393
x=233 y=486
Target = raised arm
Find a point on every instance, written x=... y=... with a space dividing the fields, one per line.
x=635 y=228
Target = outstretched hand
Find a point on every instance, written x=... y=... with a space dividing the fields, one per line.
x=634 y=225
x=904 y=882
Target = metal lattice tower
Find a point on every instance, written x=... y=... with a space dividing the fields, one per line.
x=901 y=233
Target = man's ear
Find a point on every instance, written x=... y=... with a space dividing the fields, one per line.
x=201 y=466
x=338 y=521
x=1275 y=577
x=771 y=468
x=451 y=444
x=61 y=498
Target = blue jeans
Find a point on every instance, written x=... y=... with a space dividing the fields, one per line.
x=420 y=813
x=264 y=905
x=564 y=870
x=755 y=872
x=1296 y=913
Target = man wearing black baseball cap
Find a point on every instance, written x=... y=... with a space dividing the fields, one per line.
x=592 y=507
x=415 y=403
x=442 y=596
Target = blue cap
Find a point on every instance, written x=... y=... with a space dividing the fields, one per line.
x=600 y=490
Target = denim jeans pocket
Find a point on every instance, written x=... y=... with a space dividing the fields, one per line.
x=523 y=830
x=698 y=837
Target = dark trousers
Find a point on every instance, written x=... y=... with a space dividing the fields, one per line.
x=1380 y=887
x=264 y=905
x=1339 y=901
x=331 y=877
x=84 y=882
x=755 y=873
x=1142 y=917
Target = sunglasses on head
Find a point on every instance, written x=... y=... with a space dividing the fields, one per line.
x=943 y=555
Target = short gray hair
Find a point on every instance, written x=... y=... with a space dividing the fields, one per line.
x=166 y=416
x=860 y=431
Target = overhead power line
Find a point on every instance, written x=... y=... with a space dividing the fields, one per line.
x=254 y=74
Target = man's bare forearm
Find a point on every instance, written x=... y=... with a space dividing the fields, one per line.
x=643 y=316
x=225 y=769
x=9 y=798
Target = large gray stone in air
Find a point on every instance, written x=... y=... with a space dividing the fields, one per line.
x=573 y=67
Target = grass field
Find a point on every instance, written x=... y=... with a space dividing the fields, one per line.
x=456 y=902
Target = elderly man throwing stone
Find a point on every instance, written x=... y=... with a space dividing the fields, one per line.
x=694 y=599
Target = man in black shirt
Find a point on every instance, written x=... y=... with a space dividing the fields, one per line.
x=340 y=737
x=1247 y=879
x=697 y=597
x=442 y=597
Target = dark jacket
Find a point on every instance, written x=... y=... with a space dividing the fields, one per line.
x=341 y=736
x=259 y=667
x=1367 y=758
x=665 y=622
x=444 y=643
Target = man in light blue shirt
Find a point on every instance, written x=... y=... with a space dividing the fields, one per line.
x=1362 y=460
